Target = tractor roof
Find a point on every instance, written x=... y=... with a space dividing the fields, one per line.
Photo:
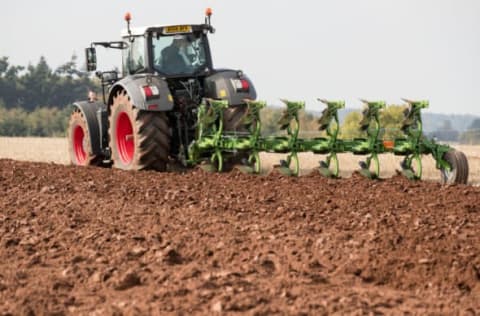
x=166 y=29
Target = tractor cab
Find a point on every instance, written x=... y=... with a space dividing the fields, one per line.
x=169 y=51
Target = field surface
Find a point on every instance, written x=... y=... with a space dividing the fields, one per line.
x=99 y=241
x=93 y=241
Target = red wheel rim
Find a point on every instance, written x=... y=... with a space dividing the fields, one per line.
x=78 y=137
x=124 y=132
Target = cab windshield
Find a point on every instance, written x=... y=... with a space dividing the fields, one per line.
x=179 y=54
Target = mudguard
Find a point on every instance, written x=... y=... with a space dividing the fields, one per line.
x=90 y=111
x=134 y=87
x=220 y=86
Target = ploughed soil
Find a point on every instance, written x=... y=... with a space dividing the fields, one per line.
x=99 y=241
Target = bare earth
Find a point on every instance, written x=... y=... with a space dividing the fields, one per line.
x=94 y=241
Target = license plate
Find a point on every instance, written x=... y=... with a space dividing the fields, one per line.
x=176 y=29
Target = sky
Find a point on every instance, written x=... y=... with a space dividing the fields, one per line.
x=302 y=50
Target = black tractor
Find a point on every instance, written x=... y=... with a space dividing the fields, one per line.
x=147 y=116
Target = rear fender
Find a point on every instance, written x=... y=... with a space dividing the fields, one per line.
x=220 y=86
x=162 y=101
x=91 y=111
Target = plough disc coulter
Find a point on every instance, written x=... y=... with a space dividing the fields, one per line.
x=214 y=145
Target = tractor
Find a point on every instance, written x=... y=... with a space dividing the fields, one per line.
x=147 y=116
x=171 y=108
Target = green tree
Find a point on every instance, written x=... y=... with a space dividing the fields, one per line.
x=46 y=122
x=12 y=122
x=350 y=127
x=10 y=87
x=73 y=84
x=38 y=85
x=271 y=115
x=391 y=121
x=40 y=122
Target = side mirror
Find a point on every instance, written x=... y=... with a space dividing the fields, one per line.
x=91 y=56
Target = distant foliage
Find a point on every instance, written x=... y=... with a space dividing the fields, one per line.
x=34 y=99
x=271 y=115
x=350 y=127
x=445 y=132
x=472 y=135
x=38 y=85
x=390 y=122
x=390 y=119
x=40 y=122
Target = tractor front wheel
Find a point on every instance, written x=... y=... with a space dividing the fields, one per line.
x=458 y=174
x=138 y=139
x=79 y=146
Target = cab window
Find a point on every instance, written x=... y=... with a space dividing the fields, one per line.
x=179 y=54
x=134 y=56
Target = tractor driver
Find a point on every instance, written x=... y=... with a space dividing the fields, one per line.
x=175 y=59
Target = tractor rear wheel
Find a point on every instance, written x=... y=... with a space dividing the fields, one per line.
x=79 y=146
x=459 y=168
x=138 y=139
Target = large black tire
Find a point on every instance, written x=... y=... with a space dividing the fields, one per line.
x=139 y=140
x=465 y=168
x=79 y=145
x=459 y=172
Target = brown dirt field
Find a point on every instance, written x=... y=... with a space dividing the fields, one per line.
x=100 y=241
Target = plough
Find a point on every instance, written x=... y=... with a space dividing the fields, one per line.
x=213 y=144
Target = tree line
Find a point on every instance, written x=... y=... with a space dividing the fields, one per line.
x=35 y=100
x=472 y=135
x=390 y=121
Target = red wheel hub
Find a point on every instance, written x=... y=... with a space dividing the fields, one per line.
x=78 y=138
x=125 y=143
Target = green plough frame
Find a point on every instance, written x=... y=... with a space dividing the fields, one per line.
x=213 y=143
